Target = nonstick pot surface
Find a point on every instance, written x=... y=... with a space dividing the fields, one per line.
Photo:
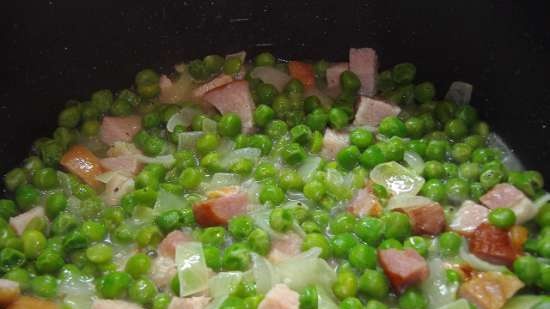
x=58 y=50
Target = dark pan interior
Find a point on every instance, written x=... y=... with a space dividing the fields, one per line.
x=58 y=50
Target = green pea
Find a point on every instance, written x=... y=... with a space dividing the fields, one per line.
x=232 y=65
x=349 y=82
x=197 y=69
x=276 y=129
x=345 y=285
x=433 y=170
x=294 y=87
x=102 y=100
x=146 y=76
x=373 y=284
x=121 y=108
x=491 y=178
x=375 y=304
x=543 y=216
x=314 y=190
x=311 y=103
x=26 y=196
x=502 y=217
x=293 y=153
x=49 y=262
x=69 y=117
x=142 y=291
x=434 y=189
x=169 y=220
x=265 y=170
x=390 y=244
x=412 y=299
x=213 y=257
x=436 y=150
x=338 y=118
x=372 y=156
x=362 y=256
x=113 y=285
x=151 y=120
x=456 y=129
x=214 y=236
x=452 y=276
x=74 y=240
x=415 y=127
x=63 y=137
x=213 y=63
x=264 y=59
x=207 y=143
x=351 y=303
x=461 y=152
x=300 y=134
x=317 y=240
x=15 y=178
x=266 y=93
x=272 y=194
x=392 y=126
x=341 y=244
x=348 y=157
x=229 y=125
x=262 y=142
x=457 y=190
x=469 y=171
x=99 y=253
x=236 y=257
x=10 y=259
x=403 y=73
x=232 y=302
x=449 y=243
x=417 y=243
x=424 y=92
x=263 y=115
x=7 y=209
x=21 y=276
x=342 y=223
x=309 y=298
x=481 y=128
x=44 y=286
x=370 y=230
x=33 y=243
x=280 y=219
x=190 y=178
x=527 y=268
x=451 y=170
x=397 y=225
x=55 y=204
x=259 y=241
x=161 y=301
x=361 y=138
x=317 y=120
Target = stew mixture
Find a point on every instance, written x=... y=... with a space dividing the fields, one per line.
x=274 y=184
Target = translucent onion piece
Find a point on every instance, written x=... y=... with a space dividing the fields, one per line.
x=396 y=178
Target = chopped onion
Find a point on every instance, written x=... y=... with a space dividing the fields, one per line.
x=476 y=262
x=78 y=293
x=308 y=168
x=509 y=158
x=263 y=273
x=167 y=160
x=223 y=283
x=325 y=299
x=220 y=180
x=225 y=147
x=302 y=270
x=397 y=178
x=261 y=219
x=188 y=140
x=272 y=76
x=209 y=125
x=252 y=187
x=168 y=201
x=242 y=153
x=522 y=302
x=414 y=161
x=192 y=270
x=183 y=118
x=407 y=201
x=458 y=304
x=436 y=287
x=538 y=203
x=105 y=177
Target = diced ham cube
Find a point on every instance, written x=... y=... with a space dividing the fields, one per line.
x=505 y=195
x=371 y=111
x=26 y=302
x=81 y=162
x=364 y=63
x=333 y=142
x=218 y=210
x=426 y=219
x=280 y=297
x=365 y=203
x=162 y=271
x=493 y=245
x=468 y=217
x=333 y=74
x=128 y=164
x=303 y=72
x=164 y=82
x=235 y=98
x=198 y=302
x=403 y=267
x=20 y=222
x=167 y=246
x=218 y=81
x=116 y=188
x=502 y=195
x=270 y=75
x=9 y=291
x=172 y=92
x=459 y=92
x=490 y=290
x=114 y=304
x=285 y=247
x=119 y=129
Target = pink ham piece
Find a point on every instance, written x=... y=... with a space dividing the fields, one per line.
x=119 y=129
x=164 y=82
x=371 y=111
x=118 y=186
x=167 y=246
x=217 y=82
x=365 y=203
x=280 y=297
x=285 y=247
x=403 y=267
x=128 y=164
x=333 y=74
x=364 y=63
x=198 y=302
x=468 y=217
x=426 y=219
x=490 y=290
x=113 y=304
x=218 y=210
x=333 y=142
x=9 y=291
x=270 y=75
x=162 y=271
x=234 y=98
x=503 y=195
x=20 y=222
